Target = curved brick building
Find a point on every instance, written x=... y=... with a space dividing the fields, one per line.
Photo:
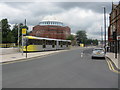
x=51 y=27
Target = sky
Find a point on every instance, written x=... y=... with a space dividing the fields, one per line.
x=86 y=16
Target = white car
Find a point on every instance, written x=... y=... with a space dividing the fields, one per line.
x=98 y=52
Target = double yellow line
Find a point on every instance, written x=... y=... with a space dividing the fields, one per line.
x=111 y=67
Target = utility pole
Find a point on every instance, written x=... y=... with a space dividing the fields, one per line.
x=105 y=29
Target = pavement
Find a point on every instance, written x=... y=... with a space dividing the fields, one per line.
x=116 y=61
x=11 y=50
x=70 y=69
x=13 y=54
x=11 y=57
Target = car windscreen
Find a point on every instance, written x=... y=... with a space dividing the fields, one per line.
x=98 y=50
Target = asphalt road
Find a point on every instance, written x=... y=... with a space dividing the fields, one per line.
x=70 y=69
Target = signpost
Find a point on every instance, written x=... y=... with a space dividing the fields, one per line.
x=24 y=30
x=18 y=37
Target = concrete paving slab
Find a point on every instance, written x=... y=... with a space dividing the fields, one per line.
x=19 y=56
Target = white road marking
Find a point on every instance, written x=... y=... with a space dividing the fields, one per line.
x=81 y=54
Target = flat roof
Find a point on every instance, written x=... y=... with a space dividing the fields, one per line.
x=33 y=37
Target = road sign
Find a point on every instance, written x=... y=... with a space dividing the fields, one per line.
x=24 y=31
x=118 y=37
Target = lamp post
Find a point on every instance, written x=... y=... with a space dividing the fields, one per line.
x=26 y=39
x=102 y=36
x=105 y=29
x=24 y=32
x=116 y=37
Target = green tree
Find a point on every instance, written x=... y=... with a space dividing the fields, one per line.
x=92 y=42
x=71 y=37
x=5 y=30
x=10 y=37
x=0 y=37
x=73 y=40
x=81 y=37
x=15 y=31
x=95 y=42
x=89 y=41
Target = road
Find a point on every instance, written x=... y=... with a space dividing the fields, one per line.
x=70 y=69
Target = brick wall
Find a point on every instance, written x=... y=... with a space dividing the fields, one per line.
x=51 y=31
x=114 y=21
x=114 y=26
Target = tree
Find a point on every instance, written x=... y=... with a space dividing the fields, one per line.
x=0 y=37
x=73 y=40
x=81 y=37
x=10 y=37
x=5 y=30
x=15 y=31
x=71 y=37
x=92 y=42
x=95 y=42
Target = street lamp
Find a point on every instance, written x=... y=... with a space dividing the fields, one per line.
x=101 y=37
x=105 y=29
x=116 y=37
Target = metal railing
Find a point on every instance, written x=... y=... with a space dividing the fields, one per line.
x=7 y=45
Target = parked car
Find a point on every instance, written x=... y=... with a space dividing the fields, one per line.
x=98 y=53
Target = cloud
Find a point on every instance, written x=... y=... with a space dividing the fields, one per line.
x=94 y=6
x=77 y=15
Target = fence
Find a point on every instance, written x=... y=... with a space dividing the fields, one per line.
x=7 y=45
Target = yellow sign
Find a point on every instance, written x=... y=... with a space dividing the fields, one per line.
x=81 y=45
x=24 y=31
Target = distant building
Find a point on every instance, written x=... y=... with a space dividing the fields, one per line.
x=51 y=27
x=114 y=28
